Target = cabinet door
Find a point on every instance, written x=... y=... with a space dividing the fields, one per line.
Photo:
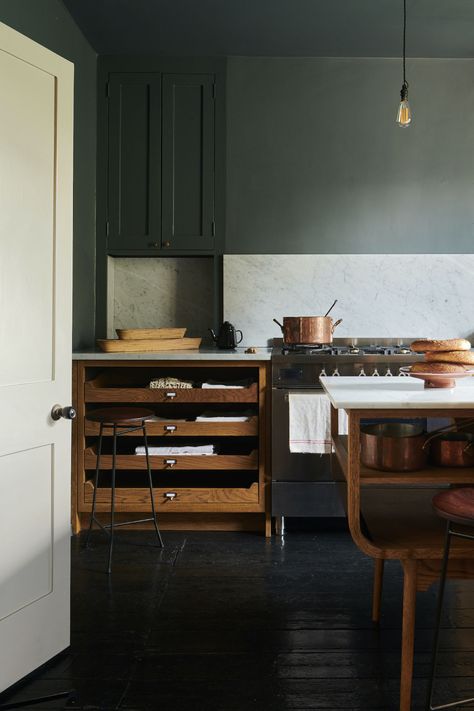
x=134 y=169
x=188 y=162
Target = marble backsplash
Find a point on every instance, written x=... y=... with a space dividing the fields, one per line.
x=390 y=295
x=160 y=292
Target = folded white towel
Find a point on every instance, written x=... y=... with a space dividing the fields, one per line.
x=230 y=417
x=310 y=423
x=209 y=386
x=202 y=450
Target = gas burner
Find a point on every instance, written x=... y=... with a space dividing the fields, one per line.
x=306 y=348
x=403 y=350
x=354 y=350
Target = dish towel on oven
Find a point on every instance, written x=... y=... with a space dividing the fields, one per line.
x=310 y=423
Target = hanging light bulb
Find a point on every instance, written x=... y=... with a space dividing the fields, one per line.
x=404 y=111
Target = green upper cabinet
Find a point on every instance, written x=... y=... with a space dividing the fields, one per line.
x=161 y=163
x=134 y=162
x=188 y=220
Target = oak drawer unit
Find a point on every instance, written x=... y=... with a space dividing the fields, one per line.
x=227 y=490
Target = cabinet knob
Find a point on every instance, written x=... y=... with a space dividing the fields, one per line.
x=167 y=244
x=170 y=495
x=170 y=395
x=170 y=428
x=170 y=462
x=154 y=244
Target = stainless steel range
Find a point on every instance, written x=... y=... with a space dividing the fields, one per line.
x=301 y=483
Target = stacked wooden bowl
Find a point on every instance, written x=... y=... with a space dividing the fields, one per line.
x=142 y=340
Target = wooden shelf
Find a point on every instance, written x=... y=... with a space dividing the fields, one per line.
x=402 y=522
x=186 y=499
x=235 y=481
x=162 y=462
x=188 y=429
x=435 y=476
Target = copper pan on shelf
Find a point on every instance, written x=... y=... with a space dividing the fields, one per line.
x=393 y=446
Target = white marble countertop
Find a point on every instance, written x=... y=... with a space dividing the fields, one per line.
x=355 y=393
x=202 y=354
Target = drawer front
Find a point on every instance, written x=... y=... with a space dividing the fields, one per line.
x=172 y=428
x=160 y=462
x=174 y=499
x=304 y=498
x=164 y=395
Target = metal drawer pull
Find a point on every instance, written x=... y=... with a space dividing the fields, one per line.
x=171 y=395
x=170 y=428
x=171 y=462
x=170 y=495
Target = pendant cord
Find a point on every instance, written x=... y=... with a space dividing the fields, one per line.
x=404 y=38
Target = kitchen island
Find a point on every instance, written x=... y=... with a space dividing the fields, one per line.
x=389 y=513
x=207 y=397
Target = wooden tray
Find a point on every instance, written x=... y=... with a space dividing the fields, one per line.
x=93 y=392
x=173 y=462
x=171 y=428
x=119 y=345
x=185 y=499
x=149 y=334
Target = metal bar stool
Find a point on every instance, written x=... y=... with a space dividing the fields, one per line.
x=121 y=420
x=456 y=506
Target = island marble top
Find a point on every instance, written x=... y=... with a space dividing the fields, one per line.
x=397 y=392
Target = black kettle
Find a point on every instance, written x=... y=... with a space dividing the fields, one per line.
x=227 y=336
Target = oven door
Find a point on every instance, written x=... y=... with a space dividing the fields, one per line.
x=302 y=484
x=285 y=465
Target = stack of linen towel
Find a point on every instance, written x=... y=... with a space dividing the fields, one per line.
x=203 y=449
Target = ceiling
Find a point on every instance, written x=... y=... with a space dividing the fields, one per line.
x=368 y=28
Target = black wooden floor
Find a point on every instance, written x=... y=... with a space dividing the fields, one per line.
x=229 y=622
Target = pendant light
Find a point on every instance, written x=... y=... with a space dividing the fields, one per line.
x=404 y=111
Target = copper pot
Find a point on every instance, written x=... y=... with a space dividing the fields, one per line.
x=307 y=330
x=393 y=447
x=453 y=449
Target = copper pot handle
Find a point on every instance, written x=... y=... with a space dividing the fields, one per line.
x=336 y=324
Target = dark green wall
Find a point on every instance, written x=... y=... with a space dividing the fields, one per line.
x=316 y=163
x=49 y=23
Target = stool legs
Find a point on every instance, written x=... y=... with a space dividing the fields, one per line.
x=150 y=482
x=96 y=482
x=439 y=610
x=110 y=528
x=112 y=498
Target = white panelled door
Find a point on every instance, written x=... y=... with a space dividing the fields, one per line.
x=36 y=114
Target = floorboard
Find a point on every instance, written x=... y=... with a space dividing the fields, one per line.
x=231 y=621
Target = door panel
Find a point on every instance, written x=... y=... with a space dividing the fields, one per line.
x=188 y=161
x=35 y=352
x=26 y=552
x=134 y=162
x=27 y=226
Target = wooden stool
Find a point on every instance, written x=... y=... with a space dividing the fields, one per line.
x=121 y=420
x=456 y=506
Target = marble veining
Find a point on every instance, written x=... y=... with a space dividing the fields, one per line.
x=389 y=295
x=161 y=292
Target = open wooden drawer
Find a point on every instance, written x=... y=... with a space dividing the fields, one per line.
x=134 y=461
x=175 y=498
x=132 y=385
x=180 y=428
